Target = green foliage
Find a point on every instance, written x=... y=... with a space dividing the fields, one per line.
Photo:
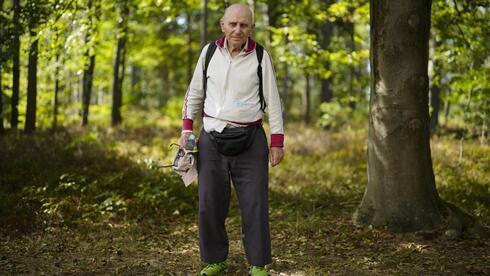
x=335 y=115
x=462 y=60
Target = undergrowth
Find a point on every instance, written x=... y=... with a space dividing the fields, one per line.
x=77 y=179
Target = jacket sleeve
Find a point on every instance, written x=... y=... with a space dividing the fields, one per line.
x=194 y=97
x=274 y=105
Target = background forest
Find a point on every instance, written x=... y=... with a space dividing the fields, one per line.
x=98 y=85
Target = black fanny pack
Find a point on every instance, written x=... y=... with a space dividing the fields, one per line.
x=233 y=141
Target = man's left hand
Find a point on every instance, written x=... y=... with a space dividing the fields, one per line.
x=276 y=155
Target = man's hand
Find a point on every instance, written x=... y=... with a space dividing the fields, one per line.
x=183 y=139
x=276 y=154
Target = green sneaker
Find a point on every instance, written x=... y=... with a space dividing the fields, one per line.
x=213 y=269
x=258 y=271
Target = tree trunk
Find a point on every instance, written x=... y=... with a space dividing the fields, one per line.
x=251 y=4
x=88 y=72
x=306 y=99
x=119 y=63
x=326 y=93
x=353 y=75
x=435 y=91
x=2 y=25
x=204 y=23
x=56 y=91
x=30 y=124
x=88 y=75
x=285 y=86
x=272 y=20
x=401 y=192
x=190 y=58
x=14 y=112
x=2 y=129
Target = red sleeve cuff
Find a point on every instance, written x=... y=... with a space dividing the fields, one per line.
x=277 y=140
x=187 y=124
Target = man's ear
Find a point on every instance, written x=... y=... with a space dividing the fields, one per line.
x=221 y=24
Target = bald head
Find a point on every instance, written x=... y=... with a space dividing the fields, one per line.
x=237 y=25
x=240 y=10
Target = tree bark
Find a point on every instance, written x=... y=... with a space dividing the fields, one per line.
x=88 y=72
x=306 y=99
x=88 y=76
x=2 y=128
x=204 y=23
x=56 y=92
x=401 y=192
x=30 y=124
x=14 y=112
x=190 y=58
x=435 y=91
x=119 y=63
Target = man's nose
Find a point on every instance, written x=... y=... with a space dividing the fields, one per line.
x=238 y=29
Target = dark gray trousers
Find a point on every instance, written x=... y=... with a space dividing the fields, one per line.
x=249 y=173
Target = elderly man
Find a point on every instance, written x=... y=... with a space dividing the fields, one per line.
x=231 y=98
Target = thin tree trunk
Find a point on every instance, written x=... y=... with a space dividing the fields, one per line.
x=190 y=58
x=272 y=20
x=204 y=23
x=117 y=89
x=326 y=94
x=2 y=128
x=306 y=100
x=119 y=63
x=30 y=124
x=401 y=192
x=88 y=76
x=352 y=71
x=165 y=82
x=88 y=72
x=447 y=108
x=135 y=79
x=251 y=4
x=14 y=112
x=56 y=91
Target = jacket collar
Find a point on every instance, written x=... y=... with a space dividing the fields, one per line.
x=249 y=45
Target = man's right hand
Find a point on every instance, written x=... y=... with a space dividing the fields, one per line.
x=183 y=139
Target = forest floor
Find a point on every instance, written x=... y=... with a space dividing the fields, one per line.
x=91 y=202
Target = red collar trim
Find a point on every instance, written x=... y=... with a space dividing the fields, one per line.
x=250 y=46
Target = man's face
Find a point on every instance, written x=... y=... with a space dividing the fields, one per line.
x=237 y=26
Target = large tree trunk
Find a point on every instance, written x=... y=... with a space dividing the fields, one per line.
x=14 y=112
x=88 y=72
x=204 y=23
x=435 y=91
x=119 y=61
x=401 y=192
x=30 y=124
